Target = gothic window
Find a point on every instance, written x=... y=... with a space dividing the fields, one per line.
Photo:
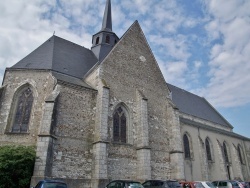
x=225 y=152
x=22 y=111
x=108 y=39
x=208 y=150
x=186 y=146
x=240 y=154
x=97 y=40
x=120 y=126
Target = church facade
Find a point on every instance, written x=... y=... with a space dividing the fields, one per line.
x=107 y=113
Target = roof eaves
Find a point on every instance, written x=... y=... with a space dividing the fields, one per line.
x=220 y=131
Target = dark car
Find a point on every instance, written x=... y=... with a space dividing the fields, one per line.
x=161 y=184
x=51 y=184
x=244 y=184
x=226 y=184
x=247 y=184
x=124 y=184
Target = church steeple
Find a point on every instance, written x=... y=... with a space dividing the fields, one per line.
x=104 y=40
x=107 y=18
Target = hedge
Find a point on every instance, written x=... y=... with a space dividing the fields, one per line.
x=16 y=166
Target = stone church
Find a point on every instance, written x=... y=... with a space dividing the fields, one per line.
x=107 y=113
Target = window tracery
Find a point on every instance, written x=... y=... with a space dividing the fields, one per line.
x=119 y=126
x=22 y=111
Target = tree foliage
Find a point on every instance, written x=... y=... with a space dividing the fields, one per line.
x=16 y=166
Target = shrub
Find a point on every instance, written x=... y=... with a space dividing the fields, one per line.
x=16 y=166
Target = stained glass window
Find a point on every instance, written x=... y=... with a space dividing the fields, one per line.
x=119 y=126
x=208 y=150
x=22 y=111
x=240 y=155
x=186 y=146
x=225 y=153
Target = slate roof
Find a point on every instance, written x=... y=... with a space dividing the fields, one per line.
x=194 y=105
x=59 y=55
x=69 y=63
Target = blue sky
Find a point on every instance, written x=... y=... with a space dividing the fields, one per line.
x=202 y=46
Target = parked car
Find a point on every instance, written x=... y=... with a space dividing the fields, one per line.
x=203 y=184
x=226 y=184
x=51 y=184
x=161 y=184
x=124 y=184
x=243 y=184
x=247 y=184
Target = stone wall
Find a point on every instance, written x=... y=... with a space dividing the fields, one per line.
x=198 y=168
x=74 y=129
x=42 y=84
x=131 y=68
x=246 y=158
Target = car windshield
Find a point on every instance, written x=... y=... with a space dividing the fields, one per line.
x=173 y=184
x=210 y=184
x=134 y=185
x=199 y=185
x=234 y=184
x=54 y=185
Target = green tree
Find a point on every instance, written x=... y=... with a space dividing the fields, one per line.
x=16 y=166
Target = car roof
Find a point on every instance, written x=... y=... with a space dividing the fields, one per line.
x=51 y=180
x=162 y=180
x=130 y=181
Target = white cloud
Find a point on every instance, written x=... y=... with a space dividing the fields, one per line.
x=26 y=24
x=229 y=61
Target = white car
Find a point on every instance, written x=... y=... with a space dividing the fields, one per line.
x=203 y=184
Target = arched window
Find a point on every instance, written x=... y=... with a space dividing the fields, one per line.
x=240 y=154
x=22 y=111
x=186 y=146
x=120 y=126
x=97 y=40
x=208 y=150
x=225 y=152
x=107 y=39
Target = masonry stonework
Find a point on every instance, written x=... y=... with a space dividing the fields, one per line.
x=41 y=83
x=127 y=72
x=76 y=96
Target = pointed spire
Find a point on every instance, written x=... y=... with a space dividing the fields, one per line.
x=107 y=18
x=104 y=40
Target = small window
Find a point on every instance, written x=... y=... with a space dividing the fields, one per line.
x=22 y=111
x=120 y=126
x=107 y=39
x=186 y=146
x=208 y=150
x=97 y=40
